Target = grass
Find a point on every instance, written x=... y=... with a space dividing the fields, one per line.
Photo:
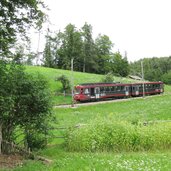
x=151 y=108
x=79 y=77
x=64 y=161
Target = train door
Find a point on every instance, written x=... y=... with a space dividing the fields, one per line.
x=127 y=91
x=92 y=92
x=137 y=90
x=97 y=92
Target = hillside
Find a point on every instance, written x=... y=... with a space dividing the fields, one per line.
x=79 y=77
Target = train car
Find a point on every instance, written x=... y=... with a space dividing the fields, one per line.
x=98 y=91
x=148 y=88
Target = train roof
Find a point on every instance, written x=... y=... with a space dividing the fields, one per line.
x=100 y=83
x=115 y=83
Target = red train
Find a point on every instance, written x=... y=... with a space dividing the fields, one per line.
x=97 y=91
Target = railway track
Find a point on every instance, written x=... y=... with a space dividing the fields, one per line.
x=103 y=102
x=98 y=102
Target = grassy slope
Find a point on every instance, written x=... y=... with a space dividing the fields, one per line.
x=150 y=108
x=50 y=74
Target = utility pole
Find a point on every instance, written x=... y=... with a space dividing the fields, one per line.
x=37 y=61
x=142 y=73
x=72 y=82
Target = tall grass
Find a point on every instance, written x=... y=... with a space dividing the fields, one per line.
x=115 y=135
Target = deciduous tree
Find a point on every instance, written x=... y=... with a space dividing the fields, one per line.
x=16 y=17
x=24 y=103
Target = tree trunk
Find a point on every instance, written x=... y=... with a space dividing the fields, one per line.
x=84 y=65
x=0 y=138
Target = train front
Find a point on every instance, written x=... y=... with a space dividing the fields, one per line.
x=79 y=94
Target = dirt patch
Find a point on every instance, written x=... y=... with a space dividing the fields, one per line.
x=10 y=161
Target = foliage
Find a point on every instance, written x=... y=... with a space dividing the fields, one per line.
x=36 y=140
x=16 y=18
x=103 y=47
x=65 y=82
x=48 y=56
x=89 y=62
x=108 y=78
x=154 y=68
x=24 y=101
x=166 y=78
x=113 y=135
x=119 y=65
x=89 y=55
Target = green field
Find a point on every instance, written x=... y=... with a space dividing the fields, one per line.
x=150 y=109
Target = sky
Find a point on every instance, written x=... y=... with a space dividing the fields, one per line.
x=142 y=28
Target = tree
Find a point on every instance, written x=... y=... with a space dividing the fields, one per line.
x=119 y=65
x=89 y=62
x=16 y=17
x=65 y=83
x=24 y=103
x=166 y=78
x=30 y=57
x=19 y=55
x=108 y=78
x=70 y=47
x=103 y=50
x=154 y=67
x=48 y=56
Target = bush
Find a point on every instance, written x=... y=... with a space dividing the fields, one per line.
x=108 y=78
x=25 y=102
x=166 y=78
x=36 y=140
x=112 y=135
x=65 y=83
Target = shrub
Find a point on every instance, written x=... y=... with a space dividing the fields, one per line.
x=36 y=140
x=108 y=78
x=112 y=135
x=25 y=102
x=166 y=78
x=65 y=83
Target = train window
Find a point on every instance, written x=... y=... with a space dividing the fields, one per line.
x=101 y=89
x=118 y=88
x=86 y=91
x=122 y=88
x=154 y=86
x=112 y=89
x=107 y=89
x=77 y=91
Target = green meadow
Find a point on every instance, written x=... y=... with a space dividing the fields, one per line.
x=126 y=135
